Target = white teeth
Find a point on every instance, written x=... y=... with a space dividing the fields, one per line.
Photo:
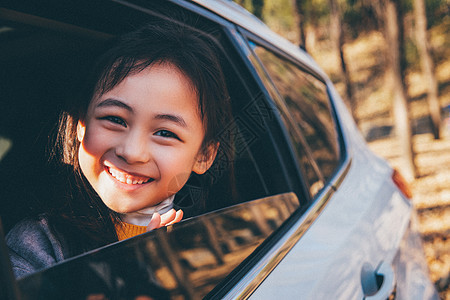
x=125 y=178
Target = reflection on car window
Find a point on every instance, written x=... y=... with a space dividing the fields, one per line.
x=308 y=104
x=186 y=262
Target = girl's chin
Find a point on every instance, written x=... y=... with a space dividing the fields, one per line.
x=122 y=208
x=124 y=211
x=124 y=204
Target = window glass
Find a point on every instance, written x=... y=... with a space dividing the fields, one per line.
x=184 y=262
x=311 y=125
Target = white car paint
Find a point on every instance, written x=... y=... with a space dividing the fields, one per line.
x=364 y=222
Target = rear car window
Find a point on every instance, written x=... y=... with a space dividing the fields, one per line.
x=308 y=116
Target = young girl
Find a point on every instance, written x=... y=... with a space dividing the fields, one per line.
x=150 y=120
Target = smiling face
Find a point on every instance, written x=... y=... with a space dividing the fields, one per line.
x=140 y=141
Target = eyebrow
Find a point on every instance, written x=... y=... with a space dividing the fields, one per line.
x=117 y=103
x=173 y=118
x=114 y=102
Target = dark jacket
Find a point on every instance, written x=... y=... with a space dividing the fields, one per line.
x=34 y=246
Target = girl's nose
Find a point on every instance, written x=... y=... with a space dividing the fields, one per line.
x=134 y=148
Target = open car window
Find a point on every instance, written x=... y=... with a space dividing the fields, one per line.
x=184 y=261
x=46 y=55
x=45 y=60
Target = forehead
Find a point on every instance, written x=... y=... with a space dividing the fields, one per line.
x=160 y=87
x=117 y=74
x=121 y=69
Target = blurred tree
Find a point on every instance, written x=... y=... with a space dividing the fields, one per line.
x=253 y=6
x=361 y=16
x=377 y=7
x=393 y=25
x=337 y=38
x=258 y=6
x=311 y=17
x=301 y=23
x=280 y=16
x=427 y=66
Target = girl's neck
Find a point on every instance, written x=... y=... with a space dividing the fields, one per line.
x=142 y=217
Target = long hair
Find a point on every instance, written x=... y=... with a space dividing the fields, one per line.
x=194 y=54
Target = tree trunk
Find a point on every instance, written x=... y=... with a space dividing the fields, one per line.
x=378 y=11
x=394 y=36
x=258 y=6
x=337 y=37
x=301 y=24
x=427 y=66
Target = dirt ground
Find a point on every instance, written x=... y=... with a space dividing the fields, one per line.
x=431 y=188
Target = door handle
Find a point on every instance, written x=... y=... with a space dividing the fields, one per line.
x=378 y=284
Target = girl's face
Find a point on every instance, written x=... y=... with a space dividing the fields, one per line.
x=141 y=140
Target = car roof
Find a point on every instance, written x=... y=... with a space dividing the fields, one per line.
x=238 y=15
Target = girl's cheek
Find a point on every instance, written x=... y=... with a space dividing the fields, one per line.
x=177 y=182
x=95 y=140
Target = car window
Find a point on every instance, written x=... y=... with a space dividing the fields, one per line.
x=184 y=261
x=45 y=61
x=307 y=115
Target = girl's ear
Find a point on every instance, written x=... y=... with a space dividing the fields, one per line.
x=205 y=158
x=81 y=130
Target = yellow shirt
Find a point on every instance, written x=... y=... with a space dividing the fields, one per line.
x=127 y=230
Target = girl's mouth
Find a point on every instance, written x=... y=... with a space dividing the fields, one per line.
x=128 y=178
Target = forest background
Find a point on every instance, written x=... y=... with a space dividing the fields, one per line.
x=390 y=61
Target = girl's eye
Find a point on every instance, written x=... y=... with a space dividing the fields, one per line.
x=115 y=120
x=167 y=134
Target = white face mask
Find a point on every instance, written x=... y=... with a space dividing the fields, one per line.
x=142 y=217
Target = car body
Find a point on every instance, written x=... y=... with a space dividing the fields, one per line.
x=317 y=216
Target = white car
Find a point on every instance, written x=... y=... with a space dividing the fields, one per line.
x=304 y=210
